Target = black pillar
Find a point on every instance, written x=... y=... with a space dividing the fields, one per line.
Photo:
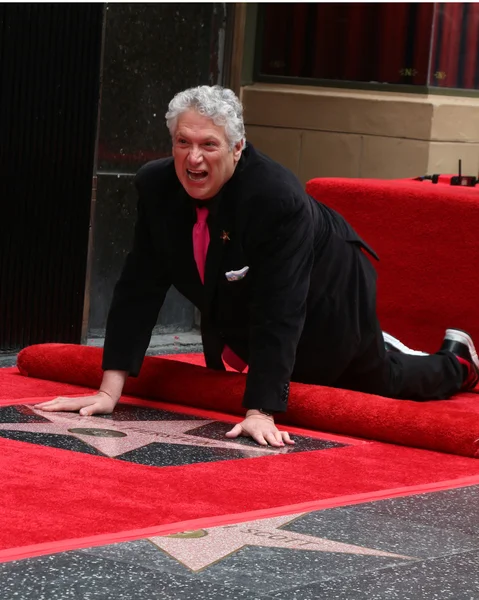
x=151 y=51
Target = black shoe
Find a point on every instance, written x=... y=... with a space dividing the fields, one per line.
x=392 y=344
x=461 y=345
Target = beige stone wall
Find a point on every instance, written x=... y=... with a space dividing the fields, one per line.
x=327 y=132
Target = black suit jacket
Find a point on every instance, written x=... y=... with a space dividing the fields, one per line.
x=301 y=310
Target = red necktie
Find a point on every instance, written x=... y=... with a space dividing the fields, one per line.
x=201 y=241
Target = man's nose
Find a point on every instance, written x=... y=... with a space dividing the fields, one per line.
x=196 y=155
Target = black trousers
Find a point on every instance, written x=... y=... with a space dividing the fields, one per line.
x=395 y=375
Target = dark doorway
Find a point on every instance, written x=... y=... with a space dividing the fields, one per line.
x=50 y=58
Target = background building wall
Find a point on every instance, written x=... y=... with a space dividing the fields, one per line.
x=327 y=132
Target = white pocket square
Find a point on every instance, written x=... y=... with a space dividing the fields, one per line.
x=235 y=275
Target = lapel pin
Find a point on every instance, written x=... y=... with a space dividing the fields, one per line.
x=225 y=236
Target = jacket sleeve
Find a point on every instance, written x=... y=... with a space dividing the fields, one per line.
x=137 y=300
x=280 y=247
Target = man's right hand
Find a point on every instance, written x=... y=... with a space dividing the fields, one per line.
x=98 y=404
x=101 y=403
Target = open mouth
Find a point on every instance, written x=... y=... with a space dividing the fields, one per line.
x=196 y=175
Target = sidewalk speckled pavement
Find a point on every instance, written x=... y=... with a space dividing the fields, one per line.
x=165 y=343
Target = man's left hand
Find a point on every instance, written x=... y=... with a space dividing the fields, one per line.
x=262 y=429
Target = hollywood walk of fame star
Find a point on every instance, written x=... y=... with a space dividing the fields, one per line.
x=114 y=438
x=197 y=550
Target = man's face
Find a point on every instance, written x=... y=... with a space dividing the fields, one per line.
x=203 y=160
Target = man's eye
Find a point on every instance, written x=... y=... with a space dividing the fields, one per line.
x=181 y=141
x=210 y=144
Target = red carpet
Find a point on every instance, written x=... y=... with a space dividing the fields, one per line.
x=64 y=496
x=72 y=500
x=450 y=426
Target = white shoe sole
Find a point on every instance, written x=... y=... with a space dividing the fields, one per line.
x=462 y=337
x=400 y=347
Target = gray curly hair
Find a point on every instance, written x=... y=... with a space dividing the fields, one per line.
x=220 y=104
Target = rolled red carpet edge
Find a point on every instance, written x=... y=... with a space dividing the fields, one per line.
x=446 y=426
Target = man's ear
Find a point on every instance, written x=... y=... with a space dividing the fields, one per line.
x=237 y=150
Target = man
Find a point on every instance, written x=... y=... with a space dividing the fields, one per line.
x=283 y=283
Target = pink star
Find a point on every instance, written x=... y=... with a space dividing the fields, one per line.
x=200 y=549
x=124 y=436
